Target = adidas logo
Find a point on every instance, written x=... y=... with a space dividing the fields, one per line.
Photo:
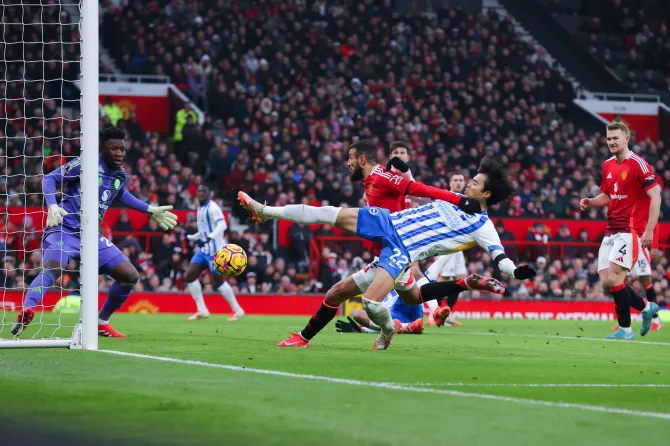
x=609 y=176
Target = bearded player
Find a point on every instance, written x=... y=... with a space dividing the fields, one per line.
x=437 y=228
x=62 y=238
x=448 y=267
x=627 y=180
x=209 y=239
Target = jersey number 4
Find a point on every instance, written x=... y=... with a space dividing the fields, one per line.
x=623 y=250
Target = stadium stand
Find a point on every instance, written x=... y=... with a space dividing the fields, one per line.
x=629 y=37
x=285 y=87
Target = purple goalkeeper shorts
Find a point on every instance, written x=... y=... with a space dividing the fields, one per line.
x=61 y=245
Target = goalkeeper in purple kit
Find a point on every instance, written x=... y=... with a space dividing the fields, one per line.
x=62 y=237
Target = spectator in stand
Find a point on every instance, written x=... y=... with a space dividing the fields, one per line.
x=112 y=111
x=123 y=223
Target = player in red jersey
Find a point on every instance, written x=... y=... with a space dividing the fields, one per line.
x=386 y=190
x=627 y=179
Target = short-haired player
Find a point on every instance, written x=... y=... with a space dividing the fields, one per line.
x=627 y=179
x=209 y=239
x=62 y=237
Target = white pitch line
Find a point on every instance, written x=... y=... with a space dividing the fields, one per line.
x=401 y=387
x=574 y=338
x=461 y=384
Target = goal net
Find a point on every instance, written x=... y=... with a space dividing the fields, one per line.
x=42 y=95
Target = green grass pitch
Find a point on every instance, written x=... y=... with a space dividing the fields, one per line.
x=482 y=384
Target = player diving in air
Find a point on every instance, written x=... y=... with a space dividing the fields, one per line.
x=209 y=238
x=62 y=237
x=441 y=227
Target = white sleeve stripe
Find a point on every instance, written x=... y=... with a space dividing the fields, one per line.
x=641 y=162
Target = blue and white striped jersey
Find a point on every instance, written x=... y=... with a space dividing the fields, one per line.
x=441 y=228
x=209 y=216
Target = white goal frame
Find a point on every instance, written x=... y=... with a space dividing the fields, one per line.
x=85 y=333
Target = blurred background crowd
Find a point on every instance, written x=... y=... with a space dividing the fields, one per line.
x=286 y=86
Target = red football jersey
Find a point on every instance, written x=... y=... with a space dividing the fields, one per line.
x=627 y=184
x=385 y=190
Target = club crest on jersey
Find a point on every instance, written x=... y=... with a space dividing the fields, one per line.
x=374 y=211
x=624 y=175
x=370 y=187
x=117 y=184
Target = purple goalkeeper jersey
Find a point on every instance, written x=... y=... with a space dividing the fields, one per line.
x=111 y=184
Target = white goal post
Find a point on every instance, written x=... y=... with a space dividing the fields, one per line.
x=28 y=19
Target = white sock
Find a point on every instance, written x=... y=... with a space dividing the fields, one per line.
x=404 y=324
x=627 y=329
x=368 y=330
x=373 y=326
x=229 y=295
x=432 y=306
x=647 y=307
x=379 y=314
x=303 y=214
x=100 y=321
x=195 y=288
x=656 y=319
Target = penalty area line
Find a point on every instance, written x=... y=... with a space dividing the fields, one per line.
x=398 y=387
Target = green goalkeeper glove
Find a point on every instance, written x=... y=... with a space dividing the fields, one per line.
x=165 y=220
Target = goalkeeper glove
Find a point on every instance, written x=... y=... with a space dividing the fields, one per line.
x=524 y=272
x=166 y=220
x=469 y=206
x=55 y=215
x=347 y=327
x=398 y=164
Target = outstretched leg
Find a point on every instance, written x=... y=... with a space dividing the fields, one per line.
x=125 y=277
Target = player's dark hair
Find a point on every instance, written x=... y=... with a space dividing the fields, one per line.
x=366 y=147
x=498 y=182
x=403 y=144
x=111 y=133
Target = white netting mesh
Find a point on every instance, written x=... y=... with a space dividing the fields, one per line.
x=39 y=131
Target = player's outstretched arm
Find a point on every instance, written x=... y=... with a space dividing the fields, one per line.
x=417 y=189
x=160 y=214
x=487 y=237
x=600 y=201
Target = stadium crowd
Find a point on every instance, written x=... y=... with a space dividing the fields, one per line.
x=285 y=88
x=628 y=36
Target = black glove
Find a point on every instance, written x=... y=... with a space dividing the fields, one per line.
x=200 y=243
x=398 y=164
x=347 y=327
x=469 y=206
x=524 y=272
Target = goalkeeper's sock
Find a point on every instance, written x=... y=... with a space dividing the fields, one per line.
x=379 y=314
x=438 y=290
x=303 y=214
x=38 y=287
x=636 y=301
x=228 y=294
x=195 y=288
x=321 y=318
x=622 y=302
x=650 y=292
x=118 y=294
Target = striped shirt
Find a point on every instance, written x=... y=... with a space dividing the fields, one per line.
x=441 y=228
x=209 y=216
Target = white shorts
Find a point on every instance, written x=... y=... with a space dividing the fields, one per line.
x=621 y=249
x=449 y=265
x=643 y=265
x=365 y=276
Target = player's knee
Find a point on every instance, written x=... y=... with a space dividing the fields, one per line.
x=334 y=294
x=131 y=277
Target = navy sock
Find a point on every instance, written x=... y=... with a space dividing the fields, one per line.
x=118 y=294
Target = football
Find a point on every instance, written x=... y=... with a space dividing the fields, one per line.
x=231 y=260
